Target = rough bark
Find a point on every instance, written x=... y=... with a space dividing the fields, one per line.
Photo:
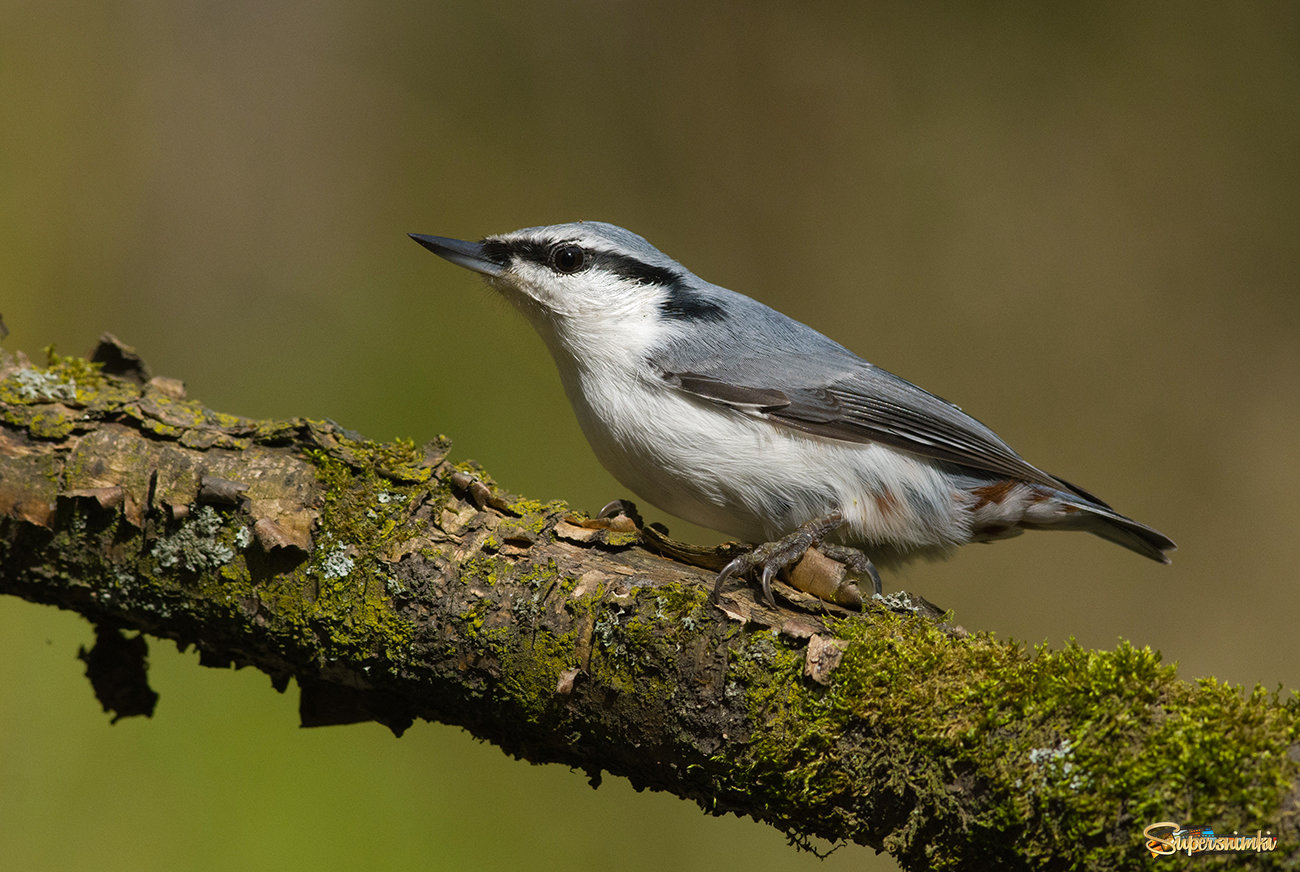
x=392 y=585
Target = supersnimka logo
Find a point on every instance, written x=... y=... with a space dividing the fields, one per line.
x=1168 y=837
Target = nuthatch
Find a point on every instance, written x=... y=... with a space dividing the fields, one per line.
x=722 y=411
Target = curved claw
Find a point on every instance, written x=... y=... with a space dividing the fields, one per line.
x=875 y=578
x=857 y=562
x=614 y=508
x=734 y=567
x=765 y=582
x=610 y=509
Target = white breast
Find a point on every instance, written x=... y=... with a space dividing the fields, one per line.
x=748 y=477
x=728 y=470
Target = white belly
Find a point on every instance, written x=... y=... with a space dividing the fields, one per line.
x=748 y=477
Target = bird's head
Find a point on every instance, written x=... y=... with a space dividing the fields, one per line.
x=587 y=284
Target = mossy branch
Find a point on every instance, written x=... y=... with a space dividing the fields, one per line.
x=393 y=586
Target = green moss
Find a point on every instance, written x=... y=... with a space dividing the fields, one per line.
x=531 y=658
x=50 y=423
x=337 y=603
x=534 y=507
x=1073 y=726
x=273 y=432
x=475 y=615
x=631 y=650
x=191 y=423
x=484 y=568
x=676 y=603
x=38 y=399
x=531 y=669
x=69 y=379
x=366 y=509
x=538 y=575
x=78 y=383
x=179 y=414
x=534 y=516
x=400 y=460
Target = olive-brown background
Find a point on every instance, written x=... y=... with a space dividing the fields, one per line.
x=1079 y=224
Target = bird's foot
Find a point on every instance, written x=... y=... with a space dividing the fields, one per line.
x=825 y=577
x=859 y=564
x=771 y=557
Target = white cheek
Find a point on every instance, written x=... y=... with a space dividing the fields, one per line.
x=599 y=320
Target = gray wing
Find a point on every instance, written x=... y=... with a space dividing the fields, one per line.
x=790 y=374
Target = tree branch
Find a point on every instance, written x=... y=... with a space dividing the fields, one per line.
x=392 y=585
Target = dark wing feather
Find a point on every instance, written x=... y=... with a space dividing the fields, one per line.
x=873 y=405
x=754 y=359
x=762 y=362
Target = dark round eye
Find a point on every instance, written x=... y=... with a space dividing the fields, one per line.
x=568 y=258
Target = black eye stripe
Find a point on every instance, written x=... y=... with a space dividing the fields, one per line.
x=622 y=265
x=503 y=251
x=635 y=270
x=681 y=303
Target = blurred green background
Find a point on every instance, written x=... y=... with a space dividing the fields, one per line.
x=1078 y=222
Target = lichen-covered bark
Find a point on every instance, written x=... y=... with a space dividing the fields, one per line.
x=393 y=586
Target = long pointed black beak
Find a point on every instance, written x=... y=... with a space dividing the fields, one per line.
x=470 y=255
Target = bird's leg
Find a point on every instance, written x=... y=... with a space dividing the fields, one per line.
x=771 y=557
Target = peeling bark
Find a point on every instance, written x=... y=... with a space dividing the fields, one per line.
x=392 y=585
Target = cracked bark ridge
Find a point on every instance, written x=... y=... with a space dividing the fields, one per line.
x=393 y=585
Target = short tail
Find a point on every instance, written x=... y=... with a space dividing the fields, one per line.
x=1147 y=541
x=1101 y=520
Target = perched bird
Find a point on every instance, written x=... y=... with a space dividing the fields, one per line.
x=725 y=412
